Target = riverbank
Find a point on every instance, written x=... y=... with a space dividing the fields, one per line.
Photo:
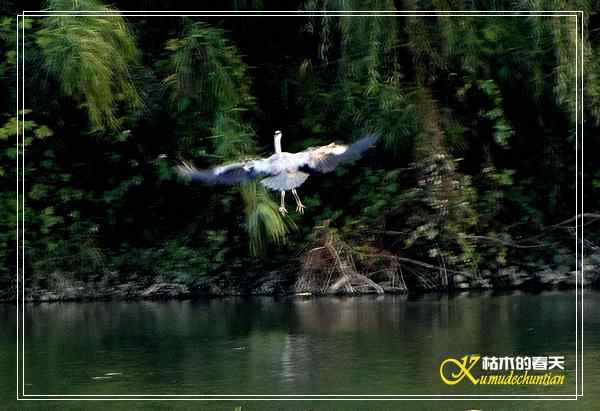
x=60 y=287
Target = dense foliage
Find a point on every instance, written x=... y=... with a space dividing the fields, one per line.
x=475 y=168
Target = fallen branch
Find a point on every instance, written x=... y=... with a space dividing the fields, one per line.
x=329 y=268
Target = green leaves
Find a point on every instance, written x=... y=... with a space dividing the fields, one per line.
x=205 y=71
x=262 y=218
x=502 y=129
x=91 y=57
x=118 y=193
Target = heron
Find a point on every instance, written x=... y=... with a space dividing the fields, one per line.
x=282 y=171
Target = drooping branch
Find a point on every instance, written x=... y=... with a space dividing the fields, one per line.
x=503 y=242
x=593 y=216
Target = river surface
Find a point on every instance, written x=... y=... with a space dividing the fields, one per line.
x=387 y=345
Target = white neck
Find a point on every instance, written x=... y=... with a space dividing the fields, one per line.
x=278 y=144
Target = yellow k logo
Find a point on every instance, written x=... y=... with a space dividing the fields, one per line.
x=464 y=369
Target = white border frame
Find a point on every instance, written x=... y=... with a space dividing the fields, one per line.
x=20 y=275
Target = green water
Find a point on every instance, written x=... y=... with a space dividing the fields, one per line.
x=336 y=346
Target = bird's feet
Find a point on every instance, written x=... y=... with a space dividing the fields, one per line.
x=283 y=211
x=300 y=208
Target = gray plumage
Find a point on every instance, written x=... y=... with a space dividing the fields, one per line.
x=284 y=181
x=282 y=171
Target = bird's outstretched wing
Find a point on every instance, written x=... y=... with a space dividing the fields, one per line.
x=229 y=174
x=324 y=159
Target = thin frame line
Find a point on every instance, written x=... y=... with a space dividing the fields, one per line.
x=302 y=395
x=581 y=138
x=417 y=13
x=23 y=203
x=18 y=198
x=296 y=14
x=576 y=246
x=301 y=399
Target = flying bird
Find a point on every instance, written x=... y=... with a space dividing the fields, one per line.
x=282 y=171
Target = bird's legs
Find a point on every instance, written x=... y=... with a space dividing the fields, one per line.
x=282 y=208
x=299 y=206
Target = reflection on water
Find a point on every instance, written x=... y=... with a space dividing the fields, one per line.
x=365 y=345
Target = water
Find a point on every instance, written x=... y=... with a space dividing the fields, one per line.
x=364 y=345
